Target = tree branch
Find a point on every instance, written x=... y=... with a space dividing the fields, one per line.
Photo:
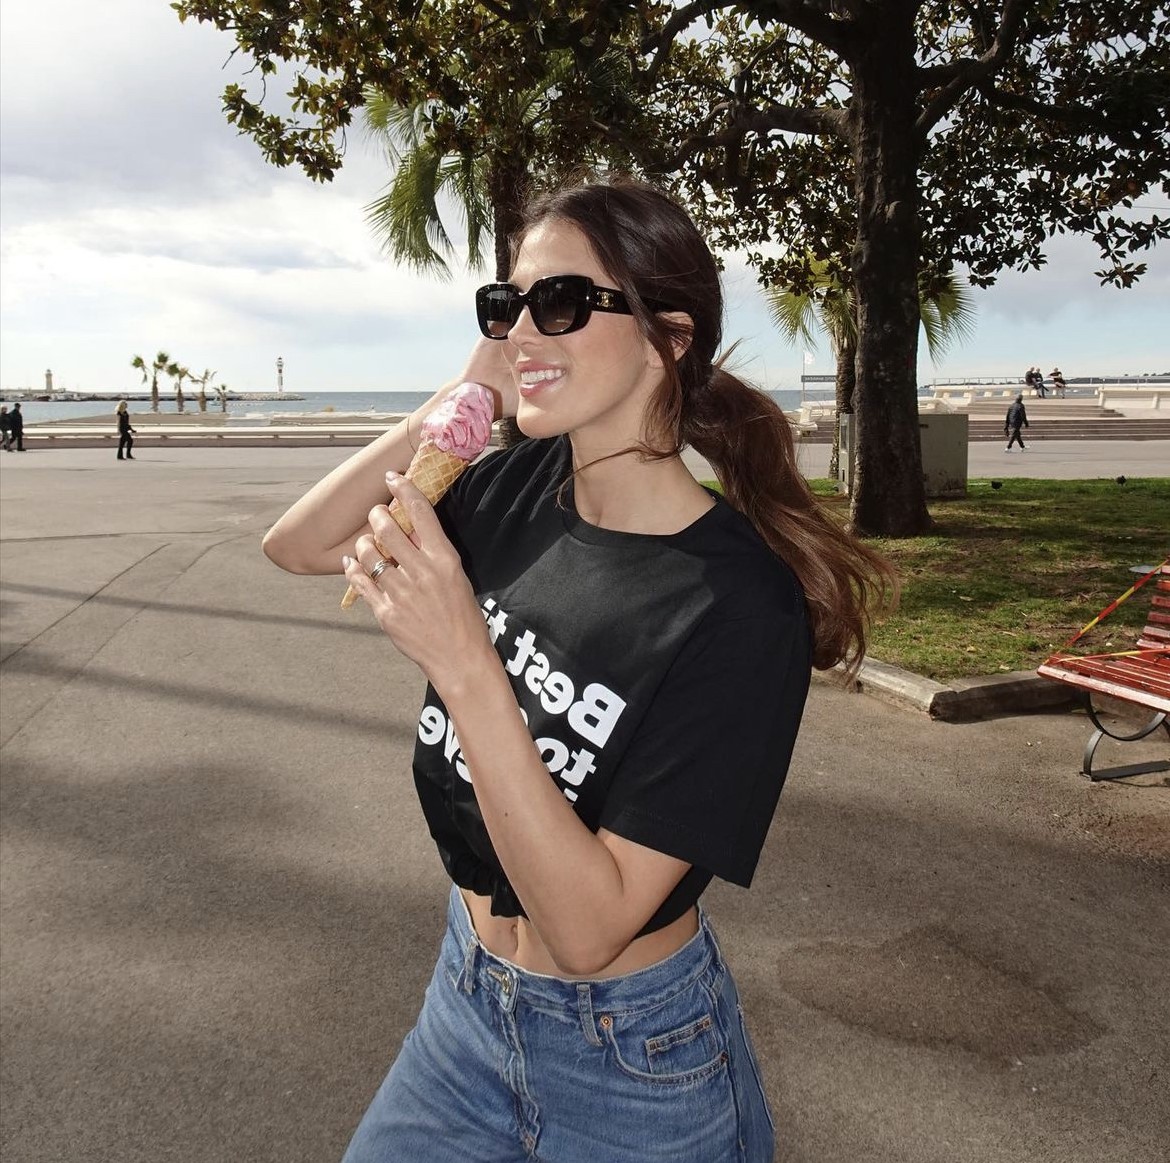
x=801 y=15
x=957 y=77
x=1084 y=116
x=813 y=122
x=812 y=20
x=661 y=42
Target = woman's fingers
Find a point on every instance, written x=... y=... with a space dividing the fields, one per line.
x=360 y=581
x=427 y=530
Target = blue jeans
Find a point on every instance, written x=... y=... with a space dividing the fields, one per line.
x=507 y=1066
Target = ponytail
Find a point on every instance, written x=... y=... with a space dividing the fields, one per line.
x=653 y=251
x=747 y=439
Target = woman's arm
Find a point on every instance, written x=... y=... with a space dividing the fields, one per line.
x=329 y=518
x=587 y=894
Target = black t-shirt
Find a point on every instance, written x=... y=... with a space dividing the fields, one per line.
x=662 y=677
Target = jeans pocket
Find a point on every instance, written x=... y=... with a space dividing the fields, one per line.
x=677 y=1043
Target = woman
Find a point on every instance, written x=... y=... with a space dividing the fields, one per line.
x=125 y=432
x=617 y=662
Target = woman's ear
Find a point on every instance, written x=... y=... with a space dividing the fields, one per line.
x=682 y=330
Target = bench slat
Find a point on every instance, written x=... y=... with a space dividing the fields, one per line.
x=1138 y=678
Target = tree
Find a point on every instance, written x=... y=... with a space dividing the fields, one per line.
x=486 y=172
x=151 y=371
x=178 y=373
x=909 y=135
x=944 y=304
x=202 y=381
x=221 y=390
x=1018 y=119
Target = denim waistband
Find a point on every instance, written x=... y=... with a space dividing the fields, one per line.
x=473 y=966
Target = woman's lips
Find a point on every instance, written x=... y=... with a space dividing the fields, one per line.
x=534 y=380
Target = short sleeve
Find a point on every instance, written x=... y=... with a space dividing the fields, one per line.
x=704 y=770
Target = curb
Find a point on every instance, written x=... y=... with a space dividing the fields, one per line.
x=965 y=700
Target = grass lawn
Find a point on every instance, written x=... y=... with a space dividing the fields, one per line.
x=1010 y=574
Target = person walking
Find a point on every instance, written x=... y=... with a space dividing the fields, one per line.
x=1017 y=418
x=16 y=428
x=5 y=428
x=617 y=660
x=125 y=431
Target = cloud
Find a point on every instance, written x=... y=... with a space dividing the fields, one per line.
x=136 y=218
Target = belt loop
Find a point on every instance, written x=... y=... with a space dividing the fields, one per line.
x=585 y=1009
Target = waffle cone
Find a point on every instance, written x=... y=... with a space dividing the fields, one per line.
x=432 y=471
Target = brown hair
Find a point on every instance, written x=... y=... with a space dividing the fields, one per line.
x=653 y=251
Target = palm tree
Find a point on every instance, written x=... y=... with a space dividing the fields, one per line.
x=160 y=364
x=406 y=217
x=221 y=390
x=944 y=304
x=202 y=381
x=487 y=184
x=178 y=373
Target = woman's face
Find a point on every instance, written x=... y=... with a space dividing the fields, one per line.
x=594 y=383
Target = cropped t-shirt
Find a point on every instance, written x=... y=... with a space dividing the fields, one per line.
x=662 y=678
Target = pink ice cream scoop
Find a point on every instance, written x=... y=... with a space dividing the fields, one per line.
x=462 y=424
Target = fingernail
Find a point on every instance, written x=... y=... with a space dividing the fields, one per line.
x=346 y=561
x=393 y=477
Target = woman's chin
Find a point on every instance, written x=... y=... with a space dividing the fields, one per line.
x=537 y=424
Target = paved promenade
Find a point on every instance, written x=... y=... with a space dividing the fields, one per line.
x=220 y=906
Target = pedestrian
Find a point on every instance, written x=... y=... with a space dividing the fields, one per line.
x=1038 y=383
x=1058 y=383
x=617 y=661
x=16 y=428
x=5 y=428
x=1017 y=418
x=125 y=431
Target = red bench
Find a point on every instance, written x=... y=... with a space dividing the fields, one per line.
x=1140 y=676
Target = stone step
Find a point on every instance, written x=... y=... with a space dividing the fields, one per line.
x=1094 y=428
x=1040 y=407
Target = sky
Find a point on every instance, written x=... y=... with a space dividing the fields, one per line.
x=133 y=218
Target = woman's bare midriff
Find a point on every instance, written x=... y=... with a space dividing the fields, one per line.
x=515 y=939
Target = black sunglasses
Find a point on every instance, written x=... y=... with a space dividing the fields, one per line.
x=558 y=304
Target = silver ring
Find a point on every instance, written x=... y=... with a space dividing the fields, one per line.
x=380 y=568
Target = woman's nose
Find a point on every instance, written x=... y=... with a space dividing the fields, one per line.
x=524 y=329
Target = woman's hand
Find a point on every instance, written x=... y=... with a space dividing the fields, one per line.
x=422 y=600
x=487 y=364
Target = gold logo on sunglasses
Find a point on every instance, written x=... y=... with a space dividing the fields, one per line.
x=605 y=299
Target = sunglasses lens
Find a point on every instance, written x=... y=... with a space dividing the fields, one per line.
x=498 y=310
x=558 y=304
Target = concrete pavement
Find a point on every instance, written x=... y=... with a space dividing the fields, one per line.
x=220 y=904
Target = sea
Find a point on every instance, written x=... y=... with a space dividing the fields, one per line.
x=370 y=403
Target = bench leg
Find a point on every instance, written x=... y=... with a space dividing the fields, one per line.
x=1158 y=720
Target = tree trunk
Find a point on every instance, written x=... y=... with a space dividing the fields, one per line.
x=154 y=392
x=846 y=379
x=179 y=397
x=509 y=188
x=889 y=496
